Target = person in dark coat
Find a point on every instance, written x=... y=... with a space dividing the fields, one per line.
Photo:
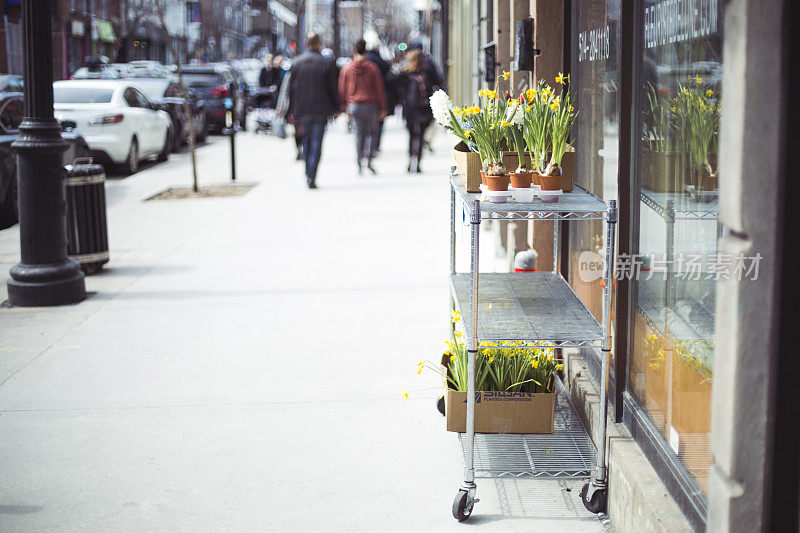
x=416 y=105
x=431 y=68
x=313 y=99
x=386 y=73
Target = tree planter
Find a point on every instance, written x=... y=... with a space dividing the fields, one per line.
x=497 y=183
x=520 y=180
x=502 y=412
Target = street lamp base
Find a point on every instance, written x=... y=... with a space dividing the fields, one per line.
x=46 y=285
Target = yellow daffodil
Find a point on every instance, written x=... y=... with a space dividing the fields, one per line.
x=672 y=109
x=419 y=370
x=482 y=92
x=468 y=133
x=698 y=79
x=453 y=358
x=506 y=75
x=459 y=334
x=447 y=352
x=560 y=367
x=491 y=359
x=560 y=78
x=535 y=363
x=405 y=394
x=528 y=108
x=504 y=124
x=709 y=93
x=554 y=106
x=455 y=315
x=491 y=127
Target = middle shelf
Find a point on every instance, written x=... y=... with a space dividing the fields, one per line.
x=527 y=306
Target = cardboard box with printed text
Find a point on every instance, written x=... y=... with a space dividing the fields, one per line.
x=502 y=412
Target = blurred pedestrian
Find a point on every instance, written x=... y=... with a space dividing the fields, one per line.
x=363 y=96
x=374 y=56
x=313 y=98
x=282 y=110
x=418 y=88
x=431 y=68
x=269 y=79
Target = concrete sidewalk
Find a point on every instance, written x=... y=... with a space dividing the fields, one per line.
x=239 y=365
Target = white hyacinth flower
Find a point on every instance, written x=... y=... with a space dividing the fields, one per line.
x=515 y=114
x=441 y=106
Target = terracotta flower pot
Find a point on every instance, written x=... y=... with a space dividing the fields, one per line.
x=520 y=180
x=483 y=177
x=536 y=178
x=550 y=183
x=497 y=183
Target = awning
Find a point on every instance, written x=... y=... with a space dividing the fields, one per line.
x=105 y=31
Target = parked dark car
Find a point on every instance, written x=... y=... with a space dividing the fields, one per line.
x=166 y=94
x=215 y=83
x=11 y=113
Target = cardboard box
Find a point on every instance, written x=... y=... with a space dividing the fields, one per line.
x=502 y=412
x=468 y=164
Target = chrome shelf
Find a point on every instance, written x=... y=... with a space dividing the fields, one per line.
x=568 y=452
x=527 y=306
x=575 y=205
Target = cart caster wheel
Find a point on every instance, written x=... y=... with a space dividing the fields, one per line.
x=462 y=507
x=595 y=504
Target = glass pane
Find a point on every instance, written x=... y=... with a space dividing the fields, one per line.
x=673 y=352
x=595 y=80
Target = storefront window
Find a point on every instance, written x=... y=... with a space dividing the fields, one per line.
x=671 y=364
x=594 y=71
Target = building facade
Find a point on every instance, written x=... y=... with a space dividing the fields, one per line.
x=694 y=375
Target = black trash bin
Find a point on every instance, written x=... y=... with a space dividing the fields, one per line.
x=87 y=231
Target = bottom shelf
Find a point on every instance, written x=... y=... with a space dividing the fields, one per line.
x=566 y=453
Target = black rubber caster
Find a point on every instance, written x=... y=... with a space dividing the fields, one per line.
x=462 y=508
x=595 y=504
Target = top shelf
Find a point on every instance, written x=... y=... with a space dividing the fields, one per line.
x=575 y=205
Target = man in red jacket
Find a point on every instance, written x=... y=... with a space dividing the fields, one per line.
x=363 y=97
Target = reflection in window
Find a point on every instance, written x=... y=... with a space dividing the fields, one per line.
x=671 y=371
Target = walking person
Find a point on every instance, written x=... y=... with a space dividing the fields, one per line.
x=374 y=56
x=416 y=106
x=363 y=96
x=282 y=111
x=313 y=98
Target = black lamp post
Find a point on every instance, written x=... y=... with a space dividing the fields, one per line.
x=45 y=275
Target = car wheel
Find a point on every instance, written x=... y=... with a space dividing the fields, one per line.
x=131 y=165
x=9 y=209
x=163 y=155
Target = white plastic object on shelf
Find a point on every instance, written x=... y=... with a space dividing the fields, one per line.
x=522 y=195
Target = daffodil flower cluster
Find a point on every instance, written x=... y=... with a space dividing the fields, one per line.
x=500 y=366
x=695 y=116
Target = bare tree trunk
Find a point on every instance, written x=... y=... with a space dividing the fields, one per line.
x=186 y=108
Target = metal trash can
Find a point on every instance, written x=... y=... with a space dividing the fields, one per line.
x=87 y=231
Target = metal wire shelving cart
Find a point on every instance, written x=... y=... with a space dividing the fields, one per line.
x=536 y=309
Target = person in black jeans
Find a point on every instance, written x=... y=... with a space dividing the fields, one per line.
x=313 y=98
x=416 y=106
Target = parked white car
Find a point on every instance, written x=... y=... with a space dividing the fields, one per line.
x=117 y=120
